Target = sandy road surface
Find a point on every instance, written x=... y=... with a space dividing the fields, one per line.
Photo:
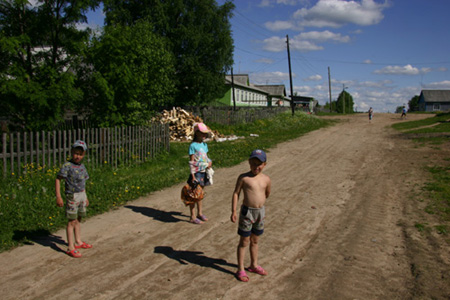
x=338 y=227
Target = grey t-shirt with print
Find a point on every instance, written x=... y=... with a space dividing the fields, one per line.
x=75 y=176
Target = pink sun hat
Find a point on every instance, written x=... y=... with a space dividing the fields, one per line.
x=201 y=127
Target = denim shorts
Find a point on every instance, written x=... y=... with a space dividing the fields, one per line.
x=201 y=178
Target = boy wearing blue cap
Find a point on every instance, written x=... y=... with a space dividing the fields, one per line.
x=256 y=187
x=74 y=173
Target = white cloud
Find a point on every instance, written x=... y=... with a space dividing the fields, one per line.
x=398 y=70
x=279 y=25
x=265 y=61
x=266 y=3
x=305 y=41
x=425 y=70
x=442 y=85
x=278 y=44
x=269 y=77
x=336 y=13
x=367 y=61
x=274 y=44
x=323 y=36
x=313 y=78
x=303 y=45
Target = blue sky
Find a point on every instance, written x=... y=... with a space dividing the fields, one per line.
x=383 y=52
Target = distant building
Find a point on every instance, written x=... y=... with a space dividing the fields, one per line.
x=434 y=100
x=277 y=94
x=248 y=94
x=305 y=102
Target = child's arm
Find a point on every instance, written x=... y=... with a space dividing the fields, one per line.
x=235 y=199
x=268 y=187
x=192 y=166
x=59 y=200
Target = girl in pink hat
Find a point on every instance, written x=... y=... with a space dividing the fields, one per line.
x=198 y=163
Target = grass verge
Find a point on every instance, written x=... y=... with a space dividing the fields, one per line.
x=27 y=203
x=433 y=132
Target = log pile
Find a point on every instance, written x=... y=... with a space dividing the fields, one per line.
x=181 y=124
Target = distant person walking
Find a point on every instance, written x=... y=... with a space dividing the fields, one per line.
x=403 y=112
x=370 y=115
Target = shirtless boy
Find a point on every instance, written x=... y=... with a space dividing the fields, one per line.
x=256 y=188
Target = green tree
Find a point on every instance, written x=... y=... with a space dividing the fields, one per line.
x=199 y=37
x=129 y=73
x=344 y=99
x=40 y=47
x=413 y=104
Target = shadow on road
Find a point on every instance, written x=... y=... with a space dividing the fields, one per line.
x=41 y=237
x=195 y=257
x=158 y=215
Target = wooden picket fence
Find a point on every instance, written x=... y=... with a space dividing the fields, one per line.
x=23 y=152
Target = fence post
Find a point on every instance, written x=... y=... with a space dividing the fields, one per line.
x=4 y=154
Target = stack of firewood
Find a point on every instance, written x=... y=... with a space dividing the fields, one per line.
x=181 y=124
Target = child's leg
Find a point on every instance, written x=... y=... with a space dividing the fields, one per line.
x=71 y=224
x=254 y=251
x=200 y=214
x=78 y=231
x=200 y=208
x=191 y=209
x=242 y=247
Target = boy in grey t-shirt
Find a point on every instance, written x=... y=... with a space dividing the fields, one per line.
x=74 y=174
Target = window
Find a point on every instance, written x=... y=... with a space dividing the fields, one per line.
x=436 y=106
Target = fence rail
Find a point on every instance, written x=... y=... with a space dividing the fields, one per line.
x=22 y=152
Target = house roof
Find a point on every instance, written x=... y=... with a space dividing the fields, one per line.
x=274 y=89
x=242 y=81
x=436 y=95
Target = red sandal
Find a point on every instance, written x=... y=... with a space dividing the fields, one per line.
x=84 y=246
x=74 y=253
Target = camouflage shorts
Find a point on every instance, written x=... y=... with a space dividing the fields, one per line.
x=76 y=205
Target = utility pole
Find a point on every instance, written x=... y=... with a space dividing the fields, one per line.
x=232 y=87
x=290 y=74
x=329 y=85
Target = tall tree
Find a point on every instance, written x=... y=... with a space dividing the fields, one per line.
x=40 y=47
x=345 y=99
x=199 y=36
x=413 y=104
x=129 y=74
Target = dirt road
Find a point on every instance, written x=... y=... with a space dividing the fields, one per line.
x=339 y=225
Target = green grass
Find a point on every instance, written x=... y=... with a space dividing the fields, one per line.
x=437 y=190
x=410 y=125
x=28 y=205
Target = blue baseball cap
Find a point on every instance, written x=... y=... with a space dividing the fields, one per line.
x=80 y=143
x=259 y=154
